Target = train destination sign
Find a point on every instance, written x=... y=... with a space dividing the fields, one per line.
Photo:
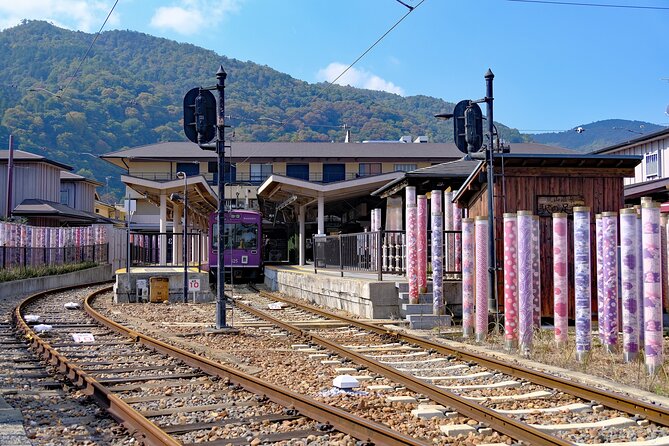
x=547 y=205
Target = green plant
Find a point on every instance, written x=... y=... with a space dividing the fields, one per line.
x=9 y=275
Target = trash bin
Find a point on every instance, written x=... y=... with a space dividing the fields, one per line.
x=159 y=289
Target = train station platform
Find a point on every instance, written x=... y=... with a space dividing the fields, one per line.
x=361 y=293
x=157 y=284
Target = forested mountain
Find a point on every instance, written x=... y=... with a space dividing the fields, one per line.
x=129 y=92
x=597 y=135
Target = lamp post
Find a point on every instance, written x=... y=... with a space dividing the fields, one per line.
x=183 y=176
x=220 y=151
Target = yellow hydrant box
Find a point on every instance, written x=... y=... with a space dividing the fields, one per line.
x=159 y=289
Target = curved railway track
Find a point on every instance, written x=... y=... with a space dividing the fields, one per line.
x=127 y=373
x=593 y=400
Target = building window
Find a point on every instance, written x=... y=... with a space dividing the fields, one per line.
x=229 y=172
x=404 y=167
x=299 y=171
x=652 y=161
x=334 y=172
x=260 y=172
x=65 y=197
x=367 y=169
x=190 y=169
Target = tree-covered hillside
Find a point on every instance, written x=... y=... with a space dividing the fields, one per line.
x=130 y=88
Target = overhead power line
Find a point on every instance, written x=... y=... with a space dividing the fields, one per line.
x=596 y=5
x=89 y=48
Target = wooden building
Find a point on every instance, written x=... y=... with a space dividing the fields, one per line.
x=545 y=184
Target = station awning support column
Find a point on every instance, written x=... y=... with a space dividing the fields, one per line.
x=163 y=229
x=321 y=214
x=302 y=235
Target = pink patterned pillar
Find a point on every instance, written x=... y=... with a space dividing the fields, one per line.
x=560 y=279
x=525 y=286
x=665 y=258
x=652 y=286
x=600 y=279
x=411 y=243
x=639 y=273
x=609 y=315
x=449 y=252
x=437 y=226
x=628 y=281
x=536 y=273
x=582 y=282
x=481 y=223
x=510 y=282
x=422 y=243
x=468 y=276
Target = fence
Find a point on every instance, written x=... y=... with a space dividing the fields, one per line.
x=380 y=252
x=145 y=249
x=23 y=257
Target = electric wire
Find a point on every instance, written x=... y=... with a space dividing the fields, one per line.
x=90 y=47
x=596 y=5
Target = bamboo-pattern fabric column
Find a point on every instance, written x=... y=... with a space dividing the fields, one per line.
x=449 y=251
x=525 y=287
x=639 y=273
x=599 y=254
x=481 y=224
x=411 y=248
x=510 y=282
x=628 y=280
x=437 y=226
x=652 y=286
x=422 y=243
x=560 y=278
x=536 y=273
x=582 y=280
x=468 y=276
x=457 y=226
x=609 y=315
x=665 y=258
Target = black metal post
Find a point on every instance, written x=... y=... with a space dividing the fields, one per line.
x=492 y=261
x=379 y=254
x=220 y=150
x=185 y=243
x=10 y=178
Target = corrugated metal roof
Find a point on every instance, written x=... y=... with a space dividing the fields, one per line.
x=20 y=155
x=640 y=139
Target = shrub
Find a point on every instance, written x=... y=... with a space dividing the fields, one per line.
x=8 y=275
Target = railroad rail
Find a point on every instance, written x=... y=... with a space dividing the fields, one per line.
x=80 y=369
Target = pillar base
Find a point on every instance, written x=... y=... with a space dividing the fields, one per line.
x=582 y=356
x=630 y=356
x=610 y=348
x=480 y=337
x=652 y=369
x=525 y=349
x=511 y=345
x=467 y=332
x=561 y=344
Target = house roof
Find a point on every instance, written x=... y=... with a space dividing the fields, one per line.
x=272 y=151
x=33 y=207
x=69 y=176
x=641 y=139
x=20 y=155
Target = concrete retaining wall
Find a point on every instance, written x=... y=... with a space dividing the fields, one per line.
x=31 y=286
x=368 y=299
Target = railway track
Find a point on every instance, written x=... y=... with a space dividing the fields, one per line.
x=470 y=383
x=169 y=396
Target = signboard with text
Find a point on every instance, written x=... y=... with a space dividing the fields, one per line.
x=547 y=205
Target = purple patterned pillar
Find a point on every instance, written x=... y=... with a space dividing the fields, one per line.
x=481 y=223
x=536 y=273
x=410 y=242
x=510 y=282
x=468 y=277
x=665 y=267
x=457 y=226
x=582 y=281
x=525 y=288
x=600 y=279
x=639 y=274
x=628 y=280
x=652 y=286
x=437 y=222
x=422 y=243
x=449 y=251
x=609 y=315
x=560 y=279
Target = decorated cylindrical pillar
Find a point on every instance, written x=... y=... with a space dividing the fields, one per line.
x=437 y=226
x=457 y=226
x=652 y=286
x=610 y=280
x=525 y=286
x=422 y=243
x=665 y=258
x=639 y=273
x=582 y=280
x=628 y=282
x=510 y=282
x=481 y=223
x=599 y=254
x=410 y=243
x=536 y=273
x=449 y=241
x=560 y=278
x=468 y=276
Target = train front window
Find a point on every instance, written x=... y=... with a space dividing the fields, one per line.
x=237 y=236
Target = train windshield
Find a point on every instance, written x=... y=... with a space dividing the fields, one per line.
x=236 y=236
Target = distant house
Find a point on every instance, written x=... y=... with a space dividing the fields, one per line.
x=46 y=192
x=651 y=177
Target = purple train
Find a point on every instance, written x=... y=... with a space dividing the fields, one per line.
x=242 y=245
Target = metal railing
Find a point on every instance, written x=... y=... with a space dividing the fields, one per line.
x=12 y=257
x=254 y=179
x=380 y=252
x=145 y=249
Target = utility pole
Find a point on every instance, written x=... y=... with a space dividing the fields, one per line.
x=220 y=151
x=492 y=261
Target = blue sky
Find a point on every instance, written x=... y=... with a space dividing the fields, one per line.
x=556 y=66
